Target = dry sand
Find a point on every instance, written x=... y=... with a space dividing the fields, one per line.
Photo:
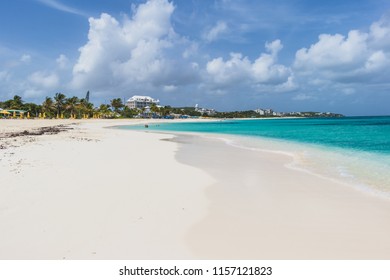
x=95 y=193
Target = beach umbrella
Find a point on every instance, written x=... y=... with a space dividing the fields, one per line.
x=5 y=112
x=28 y=115
x=44 y=115
x=14 y=115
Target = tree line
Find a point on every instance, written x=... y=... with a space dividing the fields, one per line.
x=62 y=106
x=73 y=107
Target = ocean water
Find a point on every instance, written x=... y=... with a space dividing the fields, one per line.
x=355 y=150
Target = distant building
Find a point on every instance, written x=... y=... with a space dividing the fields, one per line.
x=261 y=112
x=139 y=102
x=265 y=112
x=204 y=111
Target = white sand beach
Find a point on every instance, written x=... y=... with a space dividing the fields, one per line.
x=91 y=192
x=95 y=193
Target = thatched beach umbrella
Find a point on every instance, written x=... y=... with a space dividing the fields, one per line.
x=5 y=112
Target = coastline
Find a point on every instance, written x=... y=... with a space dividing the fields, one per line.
x=261 y=208
x=96 y=193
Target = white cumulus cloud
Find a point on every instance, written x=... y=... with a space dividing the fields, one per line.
x=355 y=58
x=240 y=70
x=266 y=70
x=138 y=51
x=44 y=80
x=236 y=69
x=379 y=35
x=334 y=50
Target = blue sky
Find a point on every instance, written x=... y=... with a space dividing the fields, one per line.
x=289 y=55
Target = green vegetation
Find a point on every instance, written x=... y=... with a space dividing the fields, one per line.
x=58 y=107
x=253 y=114
x=61 y=106
x=238 y=114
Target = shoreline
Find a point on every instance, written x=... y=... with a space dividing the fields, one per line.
x=316 y=160
x=362 y=170
x=262 y=209
x=96 y=193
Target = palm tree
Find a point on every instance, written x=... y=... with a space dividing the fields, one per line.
x=166 y=110
x=154 y=109
x=85 y=107
x=48 y=106
x=16 y=103
x=117 y=105
x=59 y=102
x=32 y=108
x=71 y=104
x=89 y=108
x=104 y=111
x=129 y=113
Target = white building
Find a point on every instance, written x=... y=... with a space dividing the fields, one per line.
x=204 y=111
x=138 y=101
x=261 y=112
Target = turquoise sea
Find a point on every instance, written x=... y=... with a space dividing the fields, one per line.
x=355 y=150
